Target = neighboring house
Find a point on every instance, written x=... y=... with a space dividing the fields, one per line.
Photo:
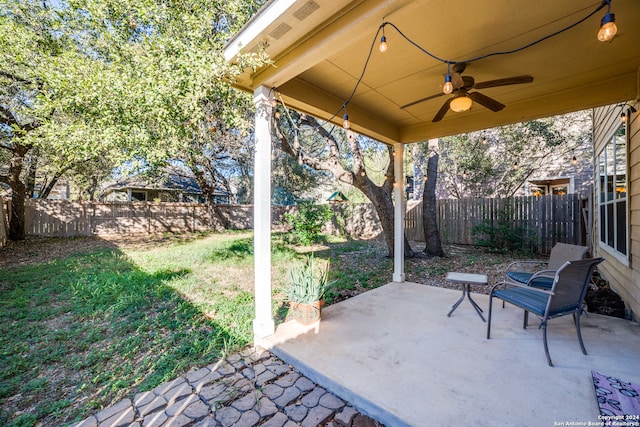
x=559 y=175
x=60 y=191
x=616 y=200
x=563 y=175
x=168 y=188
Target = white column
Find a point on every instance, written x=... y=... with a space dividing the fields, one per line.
x=398 y=214
x=263 y=324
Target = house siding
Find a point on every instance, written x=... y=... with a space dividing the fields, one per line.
x=624 y=279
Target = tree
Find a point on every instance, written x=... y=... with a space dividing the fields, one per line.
x=496 y=162
x=433 y=244
x=84 y=80
x=321 y=148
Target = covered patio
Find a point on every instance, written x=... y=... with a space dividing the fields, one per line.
x=396 y=356
x=393 y=351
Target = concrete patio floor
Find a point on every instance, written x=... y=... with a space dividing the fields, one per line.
x=396 y=356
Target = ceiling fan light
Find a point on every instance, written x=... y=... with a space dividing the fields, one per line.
x=448 y=86
x=460 y=104
x=608 y=28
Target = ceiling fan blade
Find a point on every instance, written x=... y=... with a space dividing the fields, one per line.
x=484 y=100
x=443 y=110
x=422 y=100
x=515 y=80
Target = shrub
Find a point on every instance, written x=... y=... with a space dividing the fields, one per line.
x=307 y=221
x=500 y=235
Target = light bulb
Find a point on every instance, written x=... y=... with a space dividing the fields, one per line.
x=277 y=114
x=623 y=117
x=464 y=175
x=515 y=166
x=383 y=44
x=608 y=28
x=346 y=124
x=448 y=86
x=363 y=173
x=460 y=104
x=484 y=141
x=574 y=161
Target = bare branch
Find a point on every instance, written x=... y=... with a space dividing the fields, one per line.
x=14 y=77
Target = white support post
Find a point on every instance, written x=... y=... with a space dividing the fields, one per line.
x=398 y=213
x=263 y=324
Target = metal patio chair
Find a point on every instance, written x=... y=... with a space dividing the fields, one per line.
x=540 y=273
x=566 y=296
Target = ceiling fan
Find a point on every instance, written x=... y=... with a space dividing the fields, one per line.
x=462 y=97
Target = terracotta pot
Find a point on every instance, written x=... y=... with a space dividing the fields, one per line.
x=306 y=314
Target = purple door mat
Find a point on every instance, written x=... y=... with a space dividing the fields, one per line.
x=616 y=398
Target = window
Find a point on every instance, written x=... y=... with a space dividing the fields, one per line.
x=559 y=190
x=138 y=196
x=612 y=202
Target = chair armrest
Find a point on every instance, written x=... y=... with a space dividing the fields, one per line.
x=512 y=266
x=518 y=285
x=543 y=273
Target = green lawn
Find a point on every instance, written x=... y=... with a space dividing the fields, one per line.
x=82 y=330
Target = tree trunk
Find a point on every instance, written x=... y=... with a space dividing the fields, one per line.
x=433 y=245
x=383 y=205
x=31 y=175
x=93 y=188
x=218 y=221
x=18 y=194
x=47 y=189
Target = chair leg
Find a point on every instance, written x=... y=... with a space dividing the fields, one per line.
x=576 y=319
x=546 y=347
x=525 y=322
x=489 y=321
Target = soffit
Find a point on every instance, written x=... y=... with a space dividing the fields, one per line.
x=317 y=63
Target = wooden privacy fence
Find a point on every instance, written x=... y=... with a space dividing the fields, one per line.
x=546 y=219
x=66 y=218
x=63 y=218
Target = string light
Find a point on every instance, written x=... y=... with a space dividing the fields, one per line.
x=623 y=117
x=448 y=86
x=383 y=42
x=484 y=140
x=574 y=160
x=464 y=175
x=608 y=28
x=515 y=166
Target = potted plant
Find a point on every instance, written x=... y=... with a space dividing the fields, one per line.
x=308 y=284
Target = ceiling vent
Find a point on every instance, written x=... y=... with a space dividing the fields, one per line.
x=306 y=9
x=280 y=31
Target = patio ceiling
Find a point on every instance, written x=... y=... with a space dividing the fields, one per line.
x=319 y=49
